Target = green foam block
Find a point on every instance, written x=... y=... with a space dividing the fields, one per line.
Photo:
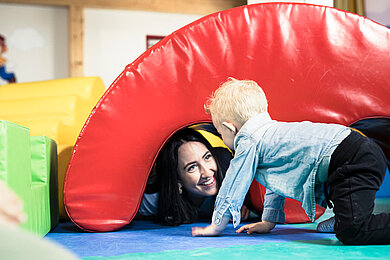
x=44 y=170
x=29 y=166
x=15 y=163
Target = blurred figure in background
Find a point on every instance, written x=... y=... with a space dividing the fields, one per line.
x=8 y=76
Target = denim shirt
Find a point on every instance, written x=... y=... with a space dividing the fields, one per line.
x=289 y=159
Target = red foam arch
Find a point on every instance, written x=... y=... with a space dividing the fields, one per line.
x=315 y=63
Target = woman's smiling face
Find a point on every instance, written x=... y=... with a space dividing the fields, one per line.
x=197 y=169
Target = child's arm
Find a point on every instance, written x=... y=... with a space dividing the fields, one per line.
x=259 y=227
x=273 y=207
x=211 y=230
x=273 y=213
x=231 y=194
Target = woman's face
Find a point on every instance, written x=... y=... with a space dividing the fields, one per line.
x=197 y=169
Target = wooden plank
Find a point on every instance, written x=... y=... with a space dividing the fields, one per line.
x=37 y=2
x=353 y=6
x=173 y=6
x=76 y=41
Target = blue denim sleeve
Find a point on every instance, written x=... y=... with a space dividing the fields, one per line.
x=273 y=207
x=236 y=184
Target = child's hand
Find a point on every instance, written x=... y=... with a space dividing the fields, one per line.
x=209 y=231
x=259 y=227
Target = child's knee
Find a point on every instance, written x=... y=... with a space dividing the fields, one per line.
x=348 y=236
x=351 y=235
x=345 y=238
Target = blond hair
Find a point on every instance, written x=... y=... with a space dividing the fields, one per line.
x=236 y=100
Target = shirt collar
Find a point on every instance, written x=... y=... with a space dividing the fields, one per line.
x=253 y=123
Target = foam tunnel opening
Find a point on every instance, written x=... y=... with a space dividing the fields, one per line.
x=203 y=132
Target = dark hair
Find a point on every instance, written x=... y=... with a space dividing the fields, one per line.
x=174 y=208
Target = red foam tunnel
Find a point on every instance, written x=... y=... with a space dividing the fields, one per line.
x=314 y=63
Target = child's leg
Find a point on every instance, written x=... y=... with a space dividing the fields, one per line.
x=356 y=172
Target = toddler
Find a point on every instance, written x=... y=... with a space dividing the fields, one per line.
x=315 y=163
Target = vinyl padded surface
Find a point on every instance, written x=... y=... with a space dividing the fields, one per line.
x=147 y=240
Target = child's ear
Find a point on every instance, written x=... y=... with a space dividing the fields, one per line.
x=230 y=126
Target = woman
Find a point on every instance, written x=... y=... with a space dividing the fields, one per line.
x=186 y=180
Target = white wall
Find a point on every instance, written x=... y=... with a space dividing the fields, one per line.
x=113 y=38
x=378 y=10
x=37 y=37
x=37 y=41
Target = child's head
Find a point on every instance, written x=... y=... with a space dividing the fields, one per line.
x=233 y=103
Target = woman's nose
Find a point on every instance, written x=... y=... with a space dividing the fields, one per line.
x=206 y=171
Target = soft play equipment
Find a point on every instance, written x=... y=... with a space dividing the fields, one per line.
x=54 y=108
x=314 y=63
x=28 y=165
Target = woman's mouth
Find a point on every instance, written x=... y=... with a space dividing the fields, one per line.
x=209 y=182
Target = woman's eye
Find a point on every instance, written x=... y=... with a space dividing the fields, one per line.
x=208 y=156
x=191 y=168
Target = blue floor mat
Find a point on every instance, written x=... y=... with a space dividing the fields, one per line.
x=145 y=239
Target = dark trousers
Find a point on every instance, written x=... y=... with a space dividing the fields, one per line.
x=356 y=171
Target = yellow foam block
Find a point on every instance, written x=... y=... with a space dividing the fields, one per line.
x=64 y=153
x=52 y=127
x=84 y=87
x=63 y=111
x=57 y=109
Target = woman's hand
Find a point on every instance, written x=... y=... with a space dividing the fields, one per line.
x=244 y=213
x=259 y=227
x=11 y=207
